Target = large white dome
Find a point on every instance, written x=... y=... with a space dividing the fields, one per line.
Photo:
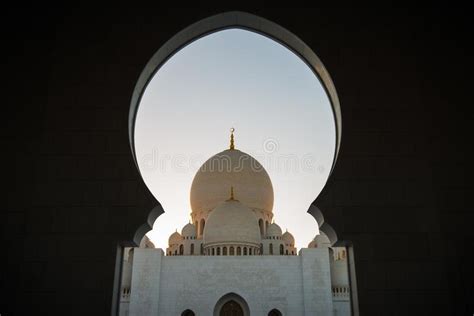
x=234 y=168
x=232 y=223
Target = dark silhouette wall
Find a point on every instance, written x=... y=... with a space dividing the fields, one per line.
x=399 y=191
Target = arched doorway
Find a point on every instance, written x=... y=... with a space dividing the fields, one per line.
x=231 y=304
x=231 y=308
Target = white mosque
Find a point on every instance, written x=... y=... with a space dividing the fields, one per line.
x=232 y=258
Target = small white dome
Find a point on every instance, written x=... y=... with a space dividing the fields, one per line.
x=146 y=243
x=189 y=230
x=273 y=230
x=175 y=238
x=232 y=222
x=320 y=241
x=288 y=238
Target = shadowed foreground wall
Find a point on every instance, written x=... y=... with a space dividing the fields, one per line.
x=399 y=191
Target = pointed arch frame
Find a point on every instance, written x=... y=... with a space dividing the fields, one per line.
x=228 y=297
x=250 y=22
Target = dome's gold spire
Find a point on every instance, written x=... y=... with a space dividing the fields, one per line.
x=231 y=193
x=232 y=198
x=232 y=138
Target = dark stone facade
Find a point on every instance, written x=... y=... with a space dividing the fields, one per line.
x=399 y=191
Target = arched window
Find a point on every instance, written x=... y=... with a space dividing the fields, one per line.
x=188 y=312
x=281 y=250
x=271 y=249
x=292 y=252
x=239 y=251
x=201 y=228
x=266 y=226
x=175 y=252
x=192 y=249
x=224 y=251
x=287 y=252
x=245 y=251
x=231 y=251
x=218 y=251
x=250 y=251
x=213 y=253
x=260 y=224
x=275 y=312
x=181 y=249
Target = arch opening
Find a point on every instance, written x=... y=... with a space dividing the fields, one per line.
x=226 y=22
x=237 y=20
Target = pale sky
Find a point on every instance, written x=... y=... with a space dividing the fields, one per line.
x=280 y=112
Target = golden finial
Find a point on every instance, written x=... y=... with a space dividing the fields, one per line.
x=231 y=193
x=232 y=198
x=232 y=130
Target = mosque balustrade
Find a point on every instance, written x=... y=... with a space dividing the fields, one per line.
x=125 y=293
x=232 y=250
x=341 y=291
